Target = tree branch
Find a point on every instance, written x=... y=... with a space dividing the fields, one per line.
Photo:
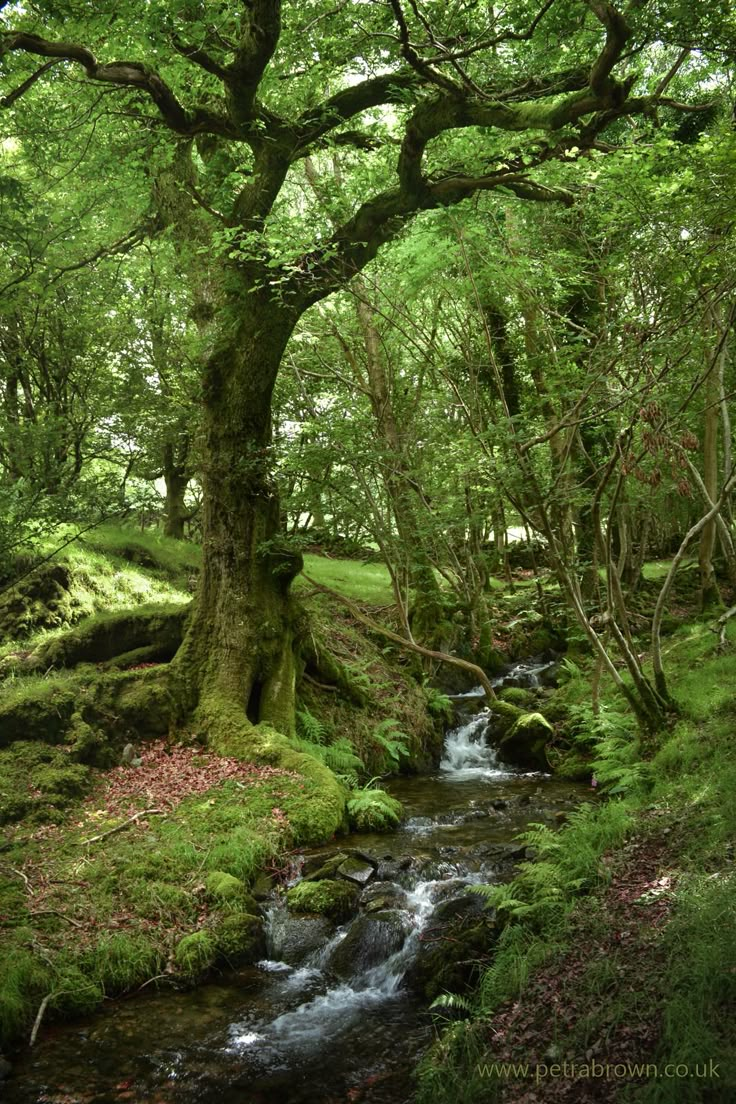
x=261 y=30
x=9 y=100
x=617 y=35
x=130 y=74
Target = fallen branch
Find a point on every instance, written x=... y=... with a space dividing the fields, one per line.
x=39 y=1016
x=721 y=624
x=20 y=874
x=61 y=915
x=125 y=824
x=441 y=657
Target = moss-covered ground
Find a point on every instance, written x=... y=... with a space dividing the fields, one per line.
x=129 y=850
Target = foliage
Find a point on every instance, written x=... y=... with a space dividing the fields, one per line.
x=373 y=810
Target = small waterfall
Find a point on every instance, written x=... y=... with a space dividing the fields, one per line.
x=466 y=750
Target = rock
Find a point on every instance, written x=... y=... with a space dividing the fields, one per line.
x=318 y=867
x=383 y=895
x=263 y=887
x=373 y=938
x=224 y=887
x=389 y=871
x=463 y=905
x=195 y=953
x=448 y=959
x=499 y=804
x=293 y=938
x=338 y=900
x=356 y=870
x=524 y=744
x=241 y=938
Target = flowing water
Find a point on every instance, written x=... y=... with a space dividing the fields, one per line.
x=328 y=1016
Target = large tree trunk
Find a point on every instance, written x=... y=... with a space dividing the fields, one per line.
x=237 y=660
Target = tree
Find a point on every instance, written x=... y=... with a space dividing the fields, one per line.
x=237 y=110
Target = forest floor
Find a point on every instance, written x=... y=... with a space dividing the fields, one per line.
x=619 y=952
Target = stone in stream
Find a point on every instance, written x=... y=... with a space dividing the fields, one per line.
x=460 y=934
x=358 y=870
x=383 y=895
x=293 y=938
x=372 y=938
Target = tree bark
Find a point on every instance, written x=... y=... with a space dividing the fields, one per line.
x=238 y=653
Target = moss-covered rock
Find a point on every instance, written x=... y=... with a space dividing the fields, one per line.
x=525 y=743
x=89 y=744
x=240 y=938
x=518 y=696
x=37 y=709
x=224 y=887
x=196 y=952
x=41 y=600
x=337 y=900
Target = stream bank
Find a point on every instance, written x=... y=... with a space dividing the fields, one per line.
x=333 y=1010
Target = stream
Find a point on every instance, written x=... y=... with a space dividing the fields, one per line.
x=330 y=1014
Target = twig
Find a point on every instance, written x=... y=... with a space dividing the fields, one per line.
x=39 y=1017
x=55 y=912
x=20 y=874
x=125 y=824
x=721 y=623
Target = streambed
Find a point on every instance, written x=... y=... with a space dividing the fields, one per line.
x=332 y=1013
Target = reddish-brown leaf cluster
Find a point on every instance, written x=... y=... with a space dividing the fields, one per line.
x=171 y=772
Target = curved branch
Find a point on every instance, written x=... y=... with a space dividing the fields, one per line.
x=617 y=35
x=130 y=74
x=439 y=657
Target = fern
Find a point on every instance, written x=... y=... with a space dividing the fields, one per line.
x=392 y=740
x=339 y=756
x=454 y=1001
x=438 y=704
x=310 y=728
x=373 y=810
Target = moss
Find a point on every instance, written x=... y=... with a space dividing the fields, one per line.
x=517 y=695
x=196 y=952
x=119 y=961
x=143 y=703
x=525 y=743
x=572 y=766
x=224 y=887
x=37 y=709
x=337 y=900
x=38 y=779
x=240 y=938
x=89 y=745
x=24 y=982
x=41 y=600
x=108 y=635
x=74 y=992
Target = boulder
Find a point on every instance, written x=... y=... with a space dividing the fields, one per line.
x=293 y=938
x=373 y=938
x=524 y=743
x=337 y=900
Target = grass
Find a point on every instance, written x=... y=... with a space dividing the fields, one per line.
x=365 y=582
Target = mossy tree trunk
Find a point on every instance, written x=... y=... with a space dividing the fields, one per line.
x=176 y=478
x=238 y=652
